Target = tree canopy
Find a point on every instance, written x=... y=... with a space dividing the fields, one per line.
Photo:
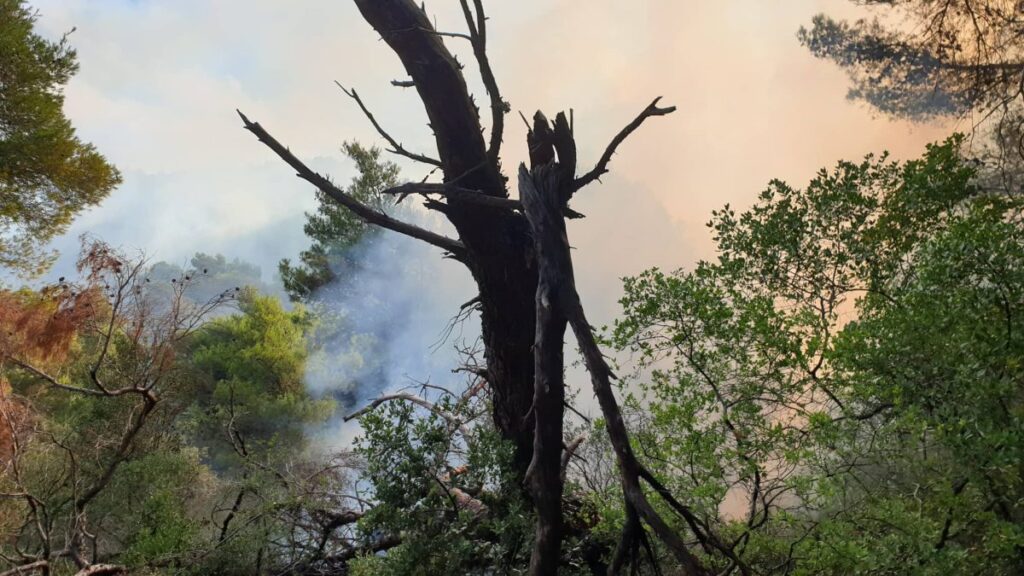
x=942 y=57
x=47 y=174
x=840 y=390
x=336 y=231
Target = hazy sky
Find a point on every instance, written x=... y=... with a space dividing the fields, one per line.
x=160 y=80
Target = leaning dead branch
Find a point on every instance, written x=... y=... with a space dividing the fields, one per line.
x=629 y=468
x=359 y=209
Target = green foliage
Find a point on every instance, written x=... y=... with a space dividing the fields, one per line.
x=153 y=504
x=47 y=175
x=213 y=479
x=252 y=367
x=840 y=392
x=421 y=471
x=335 y=230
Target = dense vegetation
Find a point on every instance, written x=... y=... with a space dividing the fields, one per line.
x=839 y=391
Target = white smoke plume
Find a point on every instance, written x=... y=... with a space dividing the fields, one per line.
x=385 y=326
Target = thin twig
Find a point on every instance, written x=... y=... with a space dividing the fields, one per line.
x=449 y=417
x=396 y=148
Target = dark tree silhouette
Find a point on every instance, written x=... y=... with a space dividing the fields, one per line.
x=948 y=57
x=944 y=58
x=518 y=254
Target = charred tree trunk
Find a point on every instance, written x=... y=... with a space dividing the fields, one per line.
x=497 y=241
x=540 y=196
x=518 y=254
x=545 y=191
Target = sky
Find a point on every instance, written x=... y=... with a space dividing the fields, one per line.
x=160 y=81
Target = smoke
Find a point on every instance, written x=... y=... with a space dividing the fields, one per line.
x=384 y=326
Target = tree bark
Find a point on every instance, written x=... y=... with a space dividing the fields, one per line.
x=540 y=193
x=497 y=240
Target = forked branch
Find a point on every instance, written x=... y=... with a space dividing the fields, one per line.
x=478 y=39
x=358 y=208
x=601 y=167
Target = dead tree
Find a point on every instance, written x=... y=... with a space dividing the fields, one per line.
x=518 y=254
x=113 y=309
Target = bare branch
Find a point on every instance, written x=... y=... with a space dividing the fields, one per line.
x=478 y=39
x=56 y=383
x=582 y=416
x=403 y=396
x=602 y=165
x=38 y=565
x=459 y=35
x=441 y=86
x=570 y=451
x=458 y=193
x=396 y=148
x=470 y=21
x=359 y=209
x=102 y=570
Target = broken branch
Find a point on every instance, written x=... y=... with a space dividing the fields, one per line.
x=570 y=451
x=457 y=193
